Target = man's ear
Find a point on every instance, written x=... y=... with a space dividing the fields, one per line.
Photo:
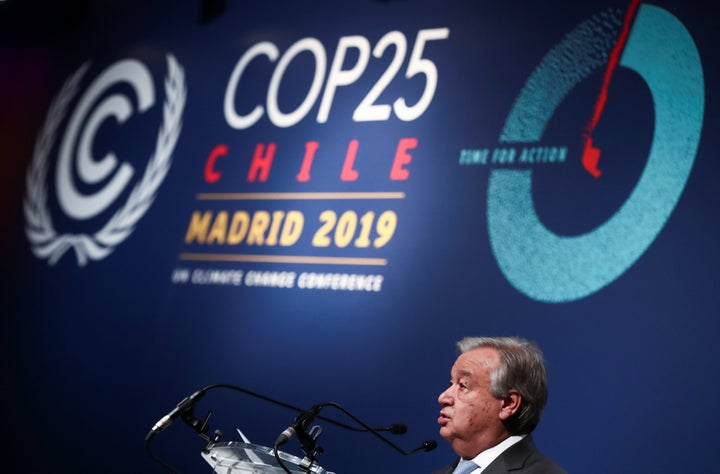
x=510 y=405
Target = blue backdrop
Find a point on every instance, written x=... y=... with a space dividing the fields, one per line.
x=315 y=200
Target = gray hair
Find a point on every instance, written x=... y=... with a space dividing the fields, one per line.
x=522 y=368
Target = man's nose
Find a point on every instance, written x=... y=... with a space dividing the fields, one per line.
x=445 y=398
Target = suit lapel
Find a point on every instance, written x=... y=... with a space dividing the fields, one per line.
x=513 y=458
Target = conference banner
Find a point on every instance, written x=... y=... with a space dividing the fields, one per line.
x=234 y=214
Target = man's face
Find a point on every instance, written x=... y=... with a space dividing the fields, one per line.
x=470 y=417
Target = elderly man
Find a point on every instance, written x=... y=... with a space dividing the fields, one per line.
x=498 y=389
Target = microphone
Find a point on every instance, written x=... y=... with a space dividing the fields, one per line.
x=299 y=425
x=397 y=428
x=427 y=445
x=184 y=406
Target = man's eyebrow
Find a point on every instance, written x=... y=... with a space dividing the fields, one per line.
x=463 y=373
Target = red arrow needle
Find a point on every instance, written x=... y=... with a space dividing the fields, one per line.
x=591 y=154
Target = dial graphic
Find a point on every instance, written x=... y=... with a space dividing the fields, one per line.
x=553 y=268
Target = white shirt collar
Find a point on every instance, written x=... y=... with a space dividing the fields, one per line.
x=486 y=457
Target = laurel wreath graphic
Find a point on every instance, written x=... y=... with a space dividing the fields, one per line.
x=45 y=241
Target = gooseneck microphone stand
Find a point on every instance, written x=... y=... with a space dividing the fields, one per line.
x=299 y=428
x=308 y=439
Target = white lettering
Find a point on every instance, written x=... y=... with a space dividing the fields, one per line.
x=339 y=76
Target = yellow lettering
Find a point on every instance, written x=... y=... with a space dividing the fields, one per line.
x=197 y=230
x=238 y=227
x=258 y=226
x=294 y=222
x=219 y=227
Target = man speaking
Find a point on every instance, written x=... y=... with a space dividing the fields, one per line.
x=498 y=389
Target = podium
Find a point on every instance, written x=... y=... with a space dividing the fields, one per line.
x=234 y=457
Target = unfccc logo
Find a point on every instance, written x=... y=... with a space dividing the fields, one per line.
x=86 y=186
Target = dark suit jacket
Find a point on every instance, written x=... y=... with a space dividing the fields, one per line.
x=520 y=457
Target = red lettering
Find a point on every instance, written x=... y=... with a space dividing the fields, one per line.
x=348 y=173
x=264 y=154
x=304 y=175
x=261 y=162
x=398 y=172
x=211 y=174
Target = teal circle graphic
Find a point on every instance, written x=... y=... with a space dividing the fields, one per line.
x=551 y=268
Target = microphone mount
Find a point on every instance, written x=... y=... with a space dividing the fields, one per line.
x=299 y=429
